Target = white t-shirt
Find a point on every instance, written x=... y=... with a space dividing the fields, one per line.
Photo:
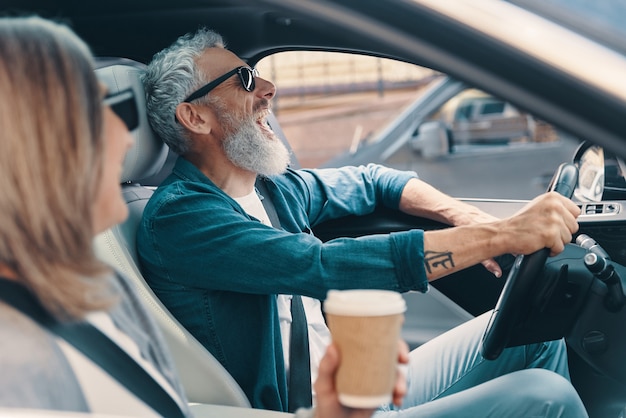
x=319 y=335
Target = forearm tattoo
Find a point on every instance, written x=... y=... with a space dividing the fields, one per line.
x=434 y=259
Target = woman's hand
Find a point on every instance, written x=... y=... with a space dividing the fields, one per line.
x=328 y=405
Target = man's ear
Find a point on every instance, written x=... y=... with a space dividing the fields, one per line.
x=196 y=119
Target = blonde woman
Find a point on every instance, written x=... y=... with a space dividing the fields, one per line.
x=61 y=153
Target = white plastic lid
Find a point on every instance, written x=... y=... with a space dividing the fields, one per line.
x=364 y=302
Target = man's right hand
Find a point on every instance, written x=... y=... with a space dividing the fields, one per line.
x=548 y=221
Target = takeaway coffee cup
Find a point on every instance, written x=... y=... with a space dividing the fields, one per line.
x=365 y=325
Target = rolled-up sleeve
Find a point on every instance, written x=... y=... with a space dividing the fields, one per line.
x=332 y=193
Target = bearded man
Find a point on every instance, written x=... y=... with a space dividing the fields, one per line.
x=209 y=251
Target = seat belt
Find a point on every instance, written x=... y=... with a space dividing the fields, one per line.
x=268 y=205
x=299 y=393
x=97 y=347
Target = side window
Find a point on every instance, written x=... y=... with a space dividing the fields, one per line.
x=344 y=109
x=330 y=103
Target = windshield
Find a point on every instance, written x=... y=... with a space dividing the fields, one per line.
x=601 y=20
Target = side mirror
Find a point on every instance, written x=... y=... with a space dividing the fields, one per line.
x=602 y=175
x=432 y=140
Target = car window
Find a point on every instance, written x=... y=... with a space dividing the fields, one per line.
x=345 y=109
x=330 y=103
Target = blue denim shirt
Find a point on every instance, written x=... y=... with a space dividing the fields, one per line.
x=218 y=270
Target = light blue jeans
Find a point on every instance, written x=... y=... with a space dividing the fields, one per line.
x=447 y=377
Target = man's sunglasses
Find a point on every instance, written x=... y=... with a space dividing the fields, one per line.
x=246 y=76
x=124 y=106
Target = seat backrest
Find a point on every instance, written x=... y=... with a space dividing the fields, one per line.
x=203 y=377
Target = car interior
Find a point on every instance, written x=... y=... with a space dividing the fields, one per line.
x=148 y=162
x=137 y=29
x=208 y=385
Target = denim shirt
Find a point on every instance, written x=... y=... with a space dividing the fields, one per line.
x=219 y=270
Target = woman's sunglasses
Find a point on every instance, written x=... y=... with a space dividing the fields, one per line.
x=246 y=76
x=124 y=106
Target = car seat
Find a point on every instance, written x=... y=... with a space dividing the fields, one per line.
x=203 y=377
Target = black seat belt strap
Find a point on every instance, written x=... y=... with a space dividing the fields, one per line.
x=299 y=390
x=268 y=205
x=97 y=347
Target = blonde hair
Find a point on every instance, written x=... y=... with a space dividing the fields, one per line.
x=50 y=159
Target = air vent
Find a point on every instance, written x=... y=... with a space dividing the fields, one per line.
x=604 y=208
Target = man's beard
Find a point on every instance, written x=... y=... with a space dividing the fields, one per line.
x=252 y=147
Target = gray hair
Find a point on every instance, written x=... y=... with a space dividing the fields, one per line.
x=170 y=77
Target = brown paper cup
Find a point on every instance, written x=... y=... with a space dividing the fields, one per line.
x=365 y=325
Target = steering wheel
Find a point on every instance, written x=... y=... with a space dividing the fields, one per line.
x=513 y=301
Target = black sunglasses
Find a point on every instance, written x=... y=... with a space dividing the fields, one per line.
x=123 y=104
x=246 y=76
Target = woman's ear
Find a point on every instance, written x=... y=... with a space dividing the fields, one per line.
x=197 y=119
